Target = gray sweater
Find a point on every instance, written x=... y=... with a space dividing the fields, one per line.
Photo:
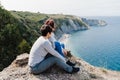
x=40 y=49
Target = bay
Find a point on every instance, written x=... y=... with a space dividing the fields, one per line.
x=99 y=46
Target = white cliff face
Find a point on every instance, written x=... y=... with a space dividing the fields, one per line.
x=67 y=24
x=94 y=22
x=71 y=26
x=75 y=27
x=102 y=23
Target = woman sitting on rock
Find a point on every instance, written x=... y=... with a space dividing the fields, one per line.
x=42 y=46
x=58 y=46
x=55 y=44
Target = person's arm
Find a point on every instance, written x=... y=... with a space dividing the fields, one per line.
x=51 y=50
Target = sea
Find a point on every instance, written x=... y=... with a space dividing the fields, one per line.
x=99 y=46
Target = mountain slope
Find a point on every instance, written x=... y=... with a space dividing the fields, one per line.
x=9 y=32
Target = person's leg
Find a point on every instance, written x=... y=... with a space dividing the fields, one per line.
x=45 y=64
x=58 y=48
x=48 y=55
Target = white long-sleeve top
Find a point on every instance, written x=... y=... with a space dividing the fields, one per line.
x=40 y=49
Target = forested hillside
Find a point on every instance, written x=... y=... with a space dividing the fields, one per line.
x=16 y=36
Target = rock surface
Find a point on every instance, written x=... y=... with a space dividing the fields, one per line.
x=19 y=70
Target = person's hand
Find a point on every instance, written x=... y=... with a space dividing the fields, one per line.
x=65 y=52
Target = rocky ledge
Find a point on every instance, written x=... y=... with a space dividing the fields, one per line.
x=19 y=70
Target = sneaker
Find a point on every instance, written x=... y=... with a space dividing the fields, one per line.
x=70 y=63
x=75 y=69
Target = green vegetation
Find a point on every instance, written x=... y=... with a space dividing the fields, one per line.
x=35 y=17
x=9 y=37
x=104 y=70
x=94 y=76
x=18 y=31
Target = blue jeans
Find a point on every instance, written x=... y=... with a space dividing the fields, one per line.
x=46 y=63
x=58 y=48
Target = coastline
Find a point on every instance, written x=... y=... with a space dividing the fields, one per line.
x=104 y=72
x=19 y=70
x=64 y=38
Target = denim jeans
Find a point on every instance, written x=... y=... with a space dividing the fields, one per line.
x=58 y=48
x=46 y=63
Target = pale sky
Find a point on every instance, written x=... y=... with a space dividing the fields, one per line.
x=73 y=7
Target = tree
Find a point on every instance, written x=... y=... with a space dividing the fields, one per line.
x=1 y=5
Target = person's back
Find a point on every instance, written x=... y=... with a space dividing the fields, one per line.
x=38 y=52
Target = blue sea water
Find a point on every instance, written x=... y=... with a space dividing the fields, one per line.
x=99 y=46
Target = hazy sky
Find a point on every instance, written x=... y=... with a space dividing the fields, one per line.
x=74 y=7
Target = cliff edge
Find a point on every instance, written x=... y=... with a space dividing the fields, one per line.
x=19 y=70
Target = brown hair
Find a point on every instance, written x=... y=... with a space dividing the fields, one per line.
x=45 y=29
x=50 y=22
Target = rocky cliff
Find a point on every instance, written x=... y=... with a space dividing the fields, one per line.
x=19 y=70
x=94 y=22
x=68 y=24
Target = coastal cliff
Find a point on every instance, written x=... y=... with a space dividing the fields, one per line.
x=67 y=24
x=19 y=70
x=94 y=22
